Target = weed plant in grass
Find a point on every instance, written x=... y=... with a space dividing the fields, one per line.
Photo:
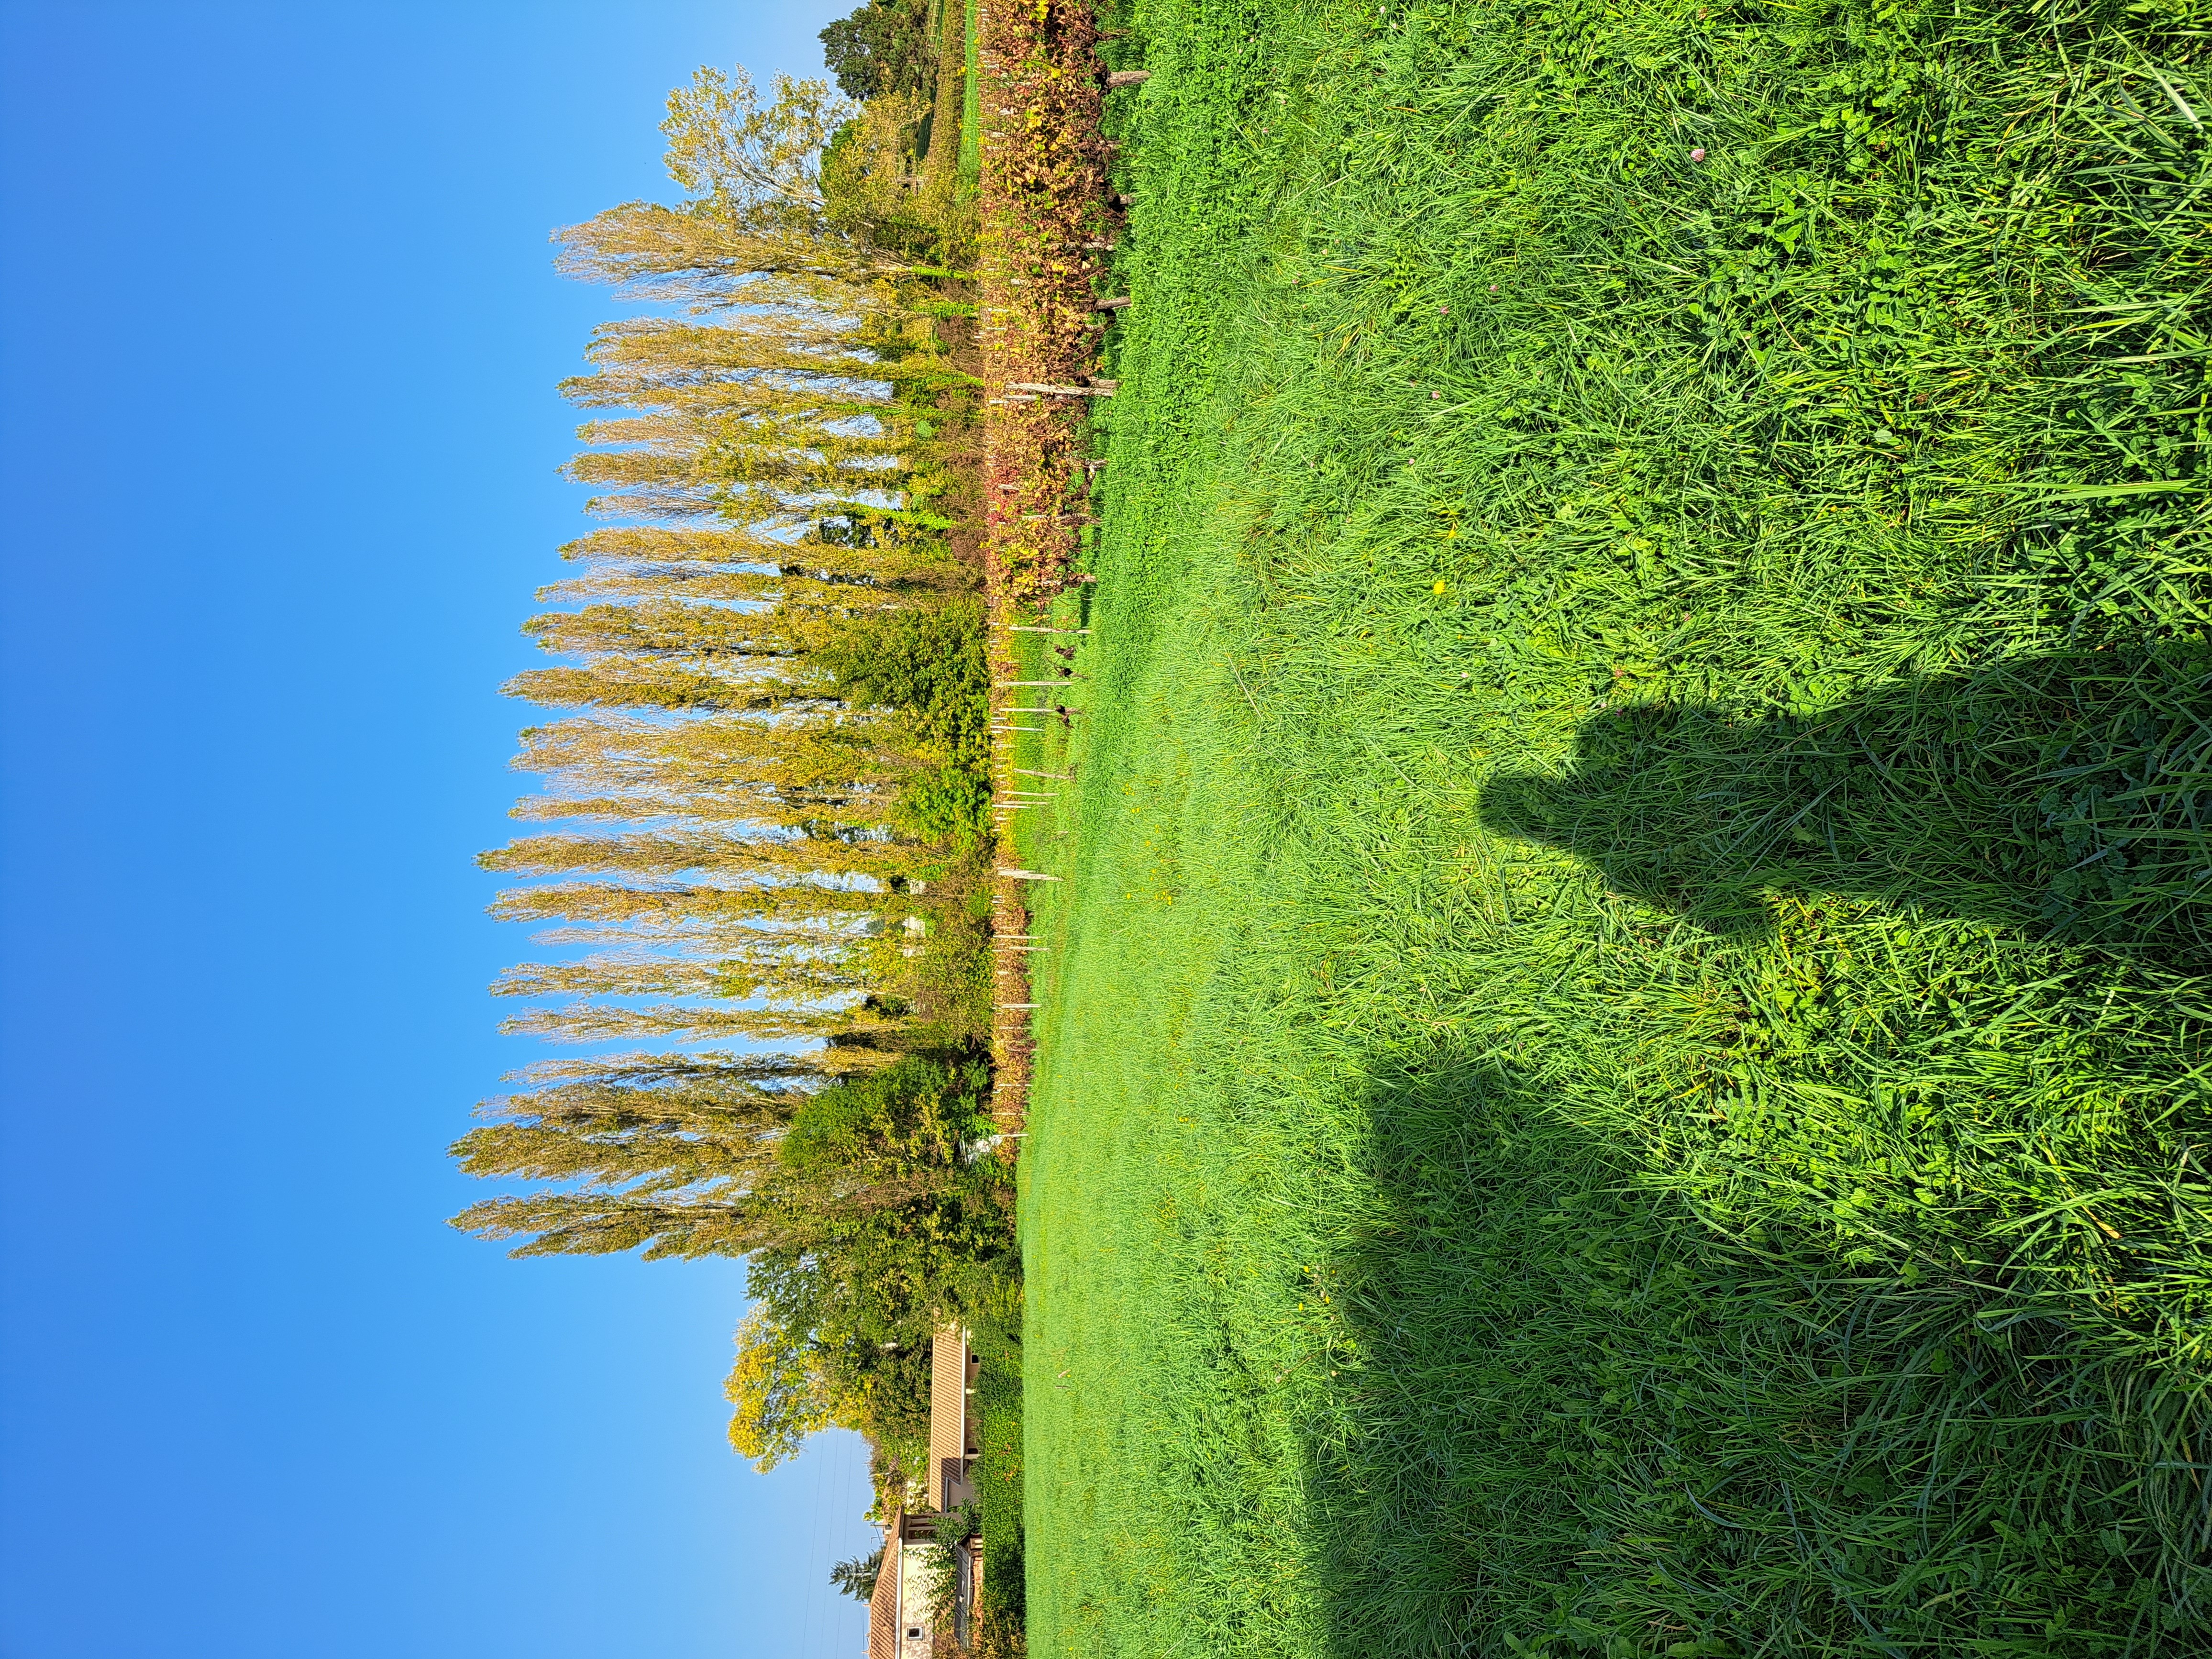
x=1622 y=1067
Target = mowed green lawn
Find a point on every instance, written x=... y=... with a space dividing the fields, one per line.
x=1623 y=1054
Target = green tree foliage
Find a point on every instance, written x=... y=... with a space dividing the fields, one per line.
x=601 y=909
x=755 y=229
x=695 y=1164
x=857 y=1578
x=752 y=165
x=872 y=187
x=882 y=47
x=661 y=1126
x=622 y=682
x=913 y=1233
x=916 y=1117
x=848 y=546
x=769 y=966
x=875 y=1022
x=778 y=1391
x=811 y=761
x=742 y=858
x=929 y=666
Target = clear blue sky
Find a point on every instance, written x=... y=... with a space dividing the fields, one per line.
x=277 y=342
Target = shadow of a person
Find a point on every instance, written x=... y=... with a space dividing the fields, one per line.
x=2068 y=794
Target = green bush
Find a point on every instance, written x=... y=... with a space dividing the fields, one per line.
x=916 y=1116
x=928 y=664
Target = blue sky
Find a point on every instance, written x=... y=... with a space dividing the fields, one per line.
x=277 y=349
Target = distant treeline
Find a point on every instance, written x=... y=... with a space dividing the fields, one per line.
x=768 y=747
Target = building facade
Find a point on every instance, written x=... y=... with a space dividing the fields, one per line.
x=901 y=1625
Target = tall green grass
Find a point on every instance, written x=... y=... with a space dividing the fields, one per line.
x=1624 y=1066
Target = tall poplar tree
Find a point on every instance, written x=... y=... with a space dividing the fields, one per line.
x=809 y=755
x=673 y=852
x=858 y=1026
x=598 y=910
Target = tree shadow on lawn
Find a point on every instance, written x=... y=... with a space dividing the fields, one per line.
x=2068 y=793
x=1572 y=1418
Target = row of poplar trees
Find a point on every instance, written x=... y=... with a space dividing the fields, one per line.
x=766 y=750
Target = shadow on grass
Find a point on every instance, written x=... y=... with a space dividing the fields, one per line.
x=1570 y=1419
x=2068 y=794
x=1648 y=1429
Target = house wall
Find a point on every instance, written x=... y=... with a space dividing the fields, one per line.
x=913 y=1601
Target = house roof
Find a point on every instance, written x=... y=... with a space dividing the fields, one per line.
x=948 y=1403
x=883 y=1606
